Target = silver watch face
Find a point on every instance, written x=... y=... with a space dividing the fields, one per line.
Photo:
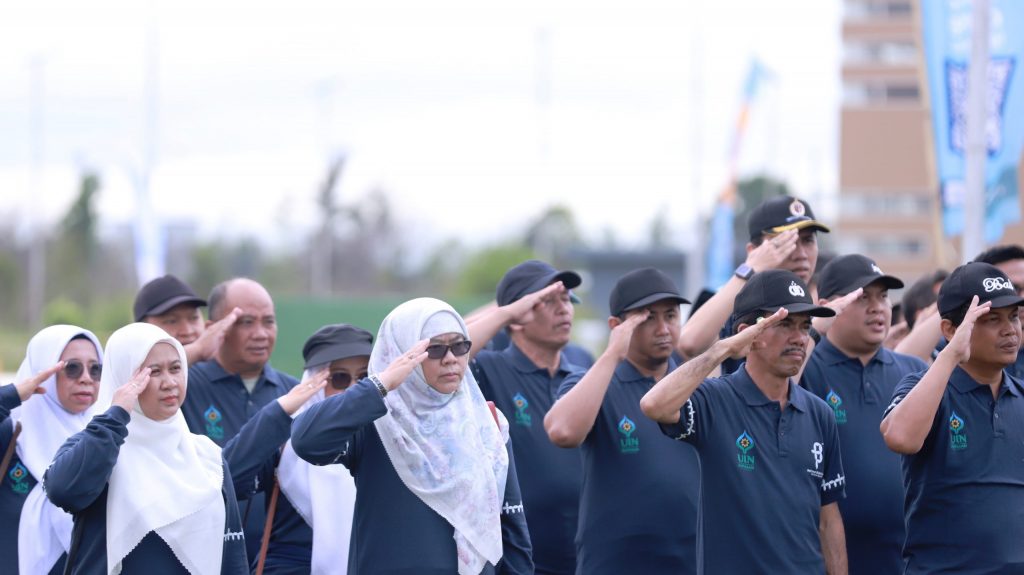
x=744 y=271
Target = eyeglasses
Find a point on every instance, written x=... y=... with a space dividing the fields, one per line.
x=74 y=369
x=343 y=379
x=439 y=350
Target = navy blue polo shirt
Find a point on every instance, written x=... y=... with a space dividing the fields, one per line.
x=393 y=530
x=858 y=395
x=768 y=472
x=965 y=487
x=638 y=508
x=1017 y=368
x=549 y=476
x=217 y=405
x=577 y=355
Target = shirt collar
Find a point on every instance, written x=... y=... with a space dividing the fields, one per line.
x=626 y=372
x=524 y=364
x=216 y=373
x=964 y=383
x=832 y=355
x=753 y=396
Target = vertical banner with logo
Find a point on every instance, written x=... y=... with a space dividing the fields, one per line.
x=946 y=27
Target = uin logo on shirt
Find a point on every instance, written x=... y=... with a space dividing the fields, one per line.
x=19 y=478
x=957 y=437
x=214 y=430
x=628 y=443
x=522 y=418
x=744 y=459
x=835 y=402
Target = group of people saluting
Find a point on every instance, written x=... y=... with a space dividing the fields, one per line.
x=490 y=444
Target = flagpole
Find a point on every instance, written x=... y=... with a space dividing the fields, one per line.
x=976 y=149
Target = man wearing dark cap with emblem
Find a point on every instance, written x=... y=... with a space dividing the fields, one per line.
x=855 y=374
x=170 y=304
x=959 y=428
x=769 y=449
x=638 y=508
x=783 y=235
x=535 y=303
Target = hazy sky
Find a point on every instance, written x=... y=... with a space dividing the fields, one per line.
x=472 y=117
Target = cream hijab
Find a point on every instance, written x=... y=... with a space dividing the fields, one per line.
x=166 y=479
x=445 y=448
x=44 y=531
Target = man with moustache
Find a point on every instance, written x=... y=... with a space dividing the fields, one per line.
x=959 y=428
x=638 y=507
x=769 y=450
x=855 y=374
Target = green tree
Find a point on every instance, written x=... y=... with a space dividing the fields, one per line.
x=484 y=269
x=73 y=256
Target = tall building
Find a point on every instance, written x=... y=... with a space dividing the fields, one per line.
x=888 y=195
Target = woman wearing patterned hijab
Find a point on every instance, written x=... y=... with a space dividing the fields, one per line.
x=147 y=495
x=436 y=490
x=62 y=364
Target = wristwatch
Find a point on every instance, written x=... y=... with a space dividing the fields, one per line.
x=743 y=272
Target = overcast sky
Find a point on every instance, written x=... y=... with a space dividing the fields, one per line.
x=472 y=117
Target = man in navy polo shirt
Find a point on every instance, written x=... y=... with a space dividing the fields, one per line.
x=224 y=392
x=769 y=450
x=638 y=509
x=959 y=428
x=855 y=374
x=1009 y=258
x=522 y=380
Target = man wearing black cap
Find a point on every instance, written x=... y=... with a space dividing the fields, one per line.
x=170 y=304
x=769 y=449
x=783 y=235
x=638 y=508
x=855 y=374
x=523 y=380
x=959 y=428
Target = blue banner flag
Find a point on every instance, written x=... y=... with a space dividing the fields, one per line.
x=946 y=28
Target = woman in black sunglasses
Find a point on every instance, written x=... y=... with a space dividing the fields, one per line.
x=62 y=366
x=436 y=485
x=308 y=528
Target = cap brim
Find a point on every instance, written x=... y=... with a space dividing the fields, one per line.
x=338 y=351
x=807 y=308
x=1006 y=301
x=170 y=304
x=569 y=279
x=814 y=224
x=888 y=282
x=655 y=298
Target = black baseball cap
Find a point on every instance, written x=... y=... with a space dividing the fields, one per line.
x=986 y=281
x=336 y=341
x=642 y=287
x=530 y=276
x=769 y=290
x=781 y=213
x=160 y=295
x=845 y=274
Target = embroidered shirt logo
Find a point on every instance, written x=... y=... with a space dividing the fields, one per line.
x=745 y=459
x=19 y=479
x=795 y=290
x=957 y=437
x=996 y=284
x=522 y=418
x=214 y=429
x=835 y=402
x=628 y=443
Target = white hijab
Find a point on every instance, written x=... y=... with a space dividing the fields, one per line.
x=166 y=479
x=324 y=496
x=445 y=447
x=44 y=531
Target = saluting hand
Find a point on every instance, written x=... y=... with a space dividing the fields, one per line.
x=773 y=251
x=403 y=365
x=206 y=346
x=739 y=345
x=838 y=305
x=128 y=394
x=298 y=395
x=521 y=310
x=618 y=340
x=960 y=344
x=31 y=386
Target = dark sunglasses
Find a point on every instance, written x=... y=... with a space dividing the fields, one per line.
x=439 y=350
x=341 y=379
x=74 y=369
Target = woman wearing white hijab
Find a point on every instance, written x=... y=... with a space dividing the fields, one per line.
x=436 y=486
x=63 y=365
x=147 y=495
x=312 y=519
